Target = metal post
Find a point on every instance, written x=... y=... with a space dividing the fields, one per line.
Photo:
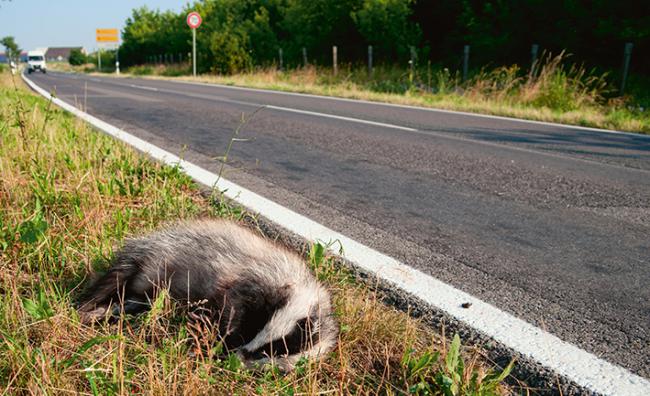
x=465 y=61
x=370 y=60
x=627 y=54
x=194 y=52
x=334 y=60
x=304 y=57
x=280 y=57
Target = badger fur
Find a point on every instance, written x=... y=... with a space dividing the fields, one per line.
x=263 y=299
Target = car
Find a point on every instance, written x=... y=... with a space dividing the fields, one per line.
x=36 y=62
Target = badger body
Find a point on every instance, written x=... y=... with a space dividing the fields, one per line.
x=265 y=301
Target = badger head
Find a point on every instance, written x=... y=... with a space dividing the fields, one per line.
x=302 y=327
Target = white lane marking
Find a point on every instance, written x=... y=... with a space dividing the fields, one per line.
x=143 y=87
x=564 y=358
x=411 y=107
x=386 y=125
x=278 y=108
x=350 y=119
x=418 y=108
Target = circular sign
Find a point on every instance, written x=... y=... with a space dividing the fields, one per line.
x=194 y=20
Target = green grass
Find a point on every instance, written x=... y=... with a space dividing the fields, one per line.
x=68 y=197
x=558 y=91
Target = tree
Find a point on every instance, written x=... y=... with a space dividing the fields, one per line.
x=77 y=57
x=13 y=52
x=385 y=24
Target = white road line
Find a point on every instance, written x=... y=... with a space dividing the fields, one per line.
x=385 y=125
x=143 y=87
x=350 y=119
x=564 y=358
x=411 y=107
x=272 y=107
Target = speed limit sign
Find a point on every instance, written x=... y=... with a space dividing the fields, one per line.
x=194 y=20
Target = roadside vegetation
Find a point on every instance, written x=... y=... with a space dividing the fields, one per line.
x=69 y=195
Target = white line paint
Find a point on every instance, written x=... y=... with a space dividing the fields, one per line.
x=564 y=358
x=381 y=124
x=144 y=87
x=411 y=107
x=419 y=108
x=350 y=119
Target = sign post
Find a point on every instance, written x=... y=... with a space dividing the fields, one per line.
x=108 y=38
x=194 y=21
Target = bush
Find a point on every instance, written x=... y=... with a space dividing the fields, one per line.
x=77 y=57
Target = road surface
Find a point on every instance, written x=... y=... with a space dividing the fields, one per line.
x=551 y=224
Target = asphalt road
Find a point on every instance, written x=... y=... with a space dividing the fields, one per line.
x=551 y=224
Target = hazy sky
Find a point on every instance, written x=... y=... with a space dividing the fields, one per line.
x=67 y=23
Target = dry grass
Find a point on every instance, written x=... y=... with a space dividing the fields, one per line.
x=69 y=195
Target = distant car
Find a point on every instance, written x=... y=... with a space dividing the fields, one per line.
x=36 y=61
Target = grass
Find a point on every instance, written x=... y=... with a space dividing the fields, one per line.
x=557 y=91
x=69 y=195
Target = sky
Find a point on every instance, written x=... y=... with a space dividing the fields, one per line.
x=68 y=23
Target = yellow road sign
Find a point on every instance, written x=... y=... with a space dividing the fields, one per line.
x=107 y=35
x=106 y=32
x=107 y=39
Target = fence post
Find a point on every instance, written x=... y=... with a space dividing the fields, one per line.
x=627 y=54
x=412 y=64
x=334 y=59
x=304 y=57
x=465 y=61
x=280 y=58
x=370 y=60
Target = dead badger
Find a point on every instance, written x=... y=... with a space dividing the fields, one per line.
x=266 y=303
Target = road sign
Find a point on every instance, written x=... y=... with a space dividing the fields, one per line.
x=194 y=20
x=106 y=32
x=107 y=35
x=107 y=39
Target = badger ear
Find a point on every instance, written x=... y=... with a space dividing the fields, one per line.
x=248 y=307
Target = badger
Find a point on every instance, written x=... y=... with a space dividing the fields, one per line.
x=265 y=303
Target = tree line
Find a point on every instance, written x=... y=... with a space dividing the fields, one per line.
x=239 y=34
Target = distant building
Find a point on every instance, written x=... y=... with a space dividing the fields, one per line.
x=60 y=54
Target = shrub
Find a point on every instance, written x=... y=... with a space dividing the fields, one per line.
x=77 y=57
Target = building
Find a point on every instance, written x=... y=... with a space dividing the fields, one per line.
x=60 y=54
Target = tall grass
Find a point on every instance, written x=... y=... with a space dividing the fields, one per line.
x=69 y=195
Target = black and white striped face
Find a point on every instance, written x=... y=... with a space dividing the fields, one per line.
x=303 y=327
